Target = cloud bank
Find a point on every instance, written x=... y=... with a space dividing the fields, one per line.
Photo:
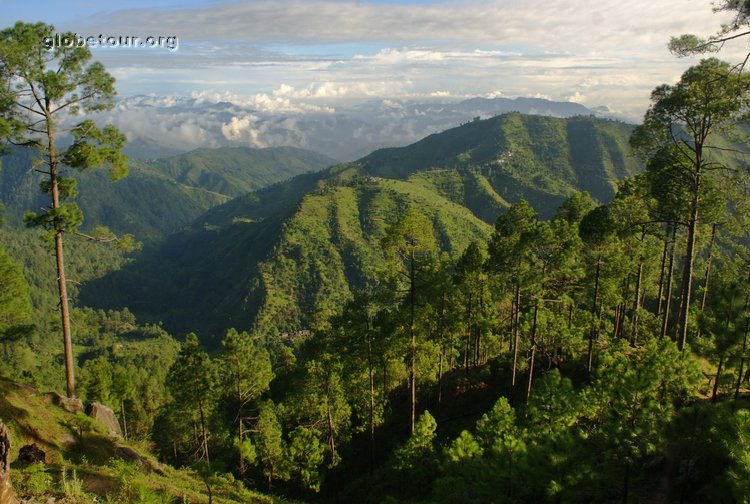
x=158 y=126
x=294 y=56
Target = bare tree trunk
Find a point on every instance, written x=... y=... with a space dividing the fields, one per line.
x=616 y=328
x=533 y=350
x=60 y=260
x=440 y=379
x=670 y=277
x=637 y=297
x=716 y=380
x=477 y=345
x=662 y=274
x=707 y=276
x=687 y=272
x=744 y=349
x=595 y=301
x=621 y=326
x=210 y=491
x=468 y=335
x=619 y=320
x=240 y=429
x=515 y=344
x=478 y=327
x=204 y=441
x=332 y=447
x=6 y=489
x=385 y=376
x=124 y=421
x=241 y=435
x=742 y=362
x=513 y=308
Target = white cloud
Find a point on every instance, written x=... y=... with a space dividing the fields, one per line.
x=540 y=95
x=295 y=56
x=234 y=129
x=279 y=101
x=577 y=98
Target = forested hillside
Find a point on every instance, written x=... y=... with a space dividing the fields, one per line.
x=281 y=258
x=161 y=196
x=540 y=159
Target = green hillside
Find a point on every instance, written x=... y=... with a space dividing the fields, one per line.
x=233 y=171
x=281 y=258
x=279 y=273
x=159 y=197
x=540 y=159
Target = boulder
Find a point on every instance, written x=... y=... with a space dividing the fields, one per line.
x=130 y=455
x=31 y=453
x=71 y=405
x=106 y=416
x=66 y=440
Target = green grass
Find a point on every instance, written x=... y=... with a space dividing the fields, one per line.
x=81 y=461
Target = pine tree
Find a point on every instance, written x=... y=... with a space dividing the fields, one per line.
x=509 y=260
x=190 y=381
x=38 y=88
x=244 y=371
x=407 y=241
x=676 y=134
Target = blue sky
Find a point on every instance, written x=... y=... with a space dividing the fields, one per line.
x=294 y=54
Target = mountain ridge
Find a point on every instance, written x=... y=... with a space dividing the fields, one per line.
x=279 y=259
x=162 y=196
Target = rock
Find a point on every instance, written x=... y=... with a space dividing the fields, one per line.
x=31 y=453
x=6 y=489
x=130 y=455
x=67 y=440
x=71 y=405
x=106 y=416
x=27 y=389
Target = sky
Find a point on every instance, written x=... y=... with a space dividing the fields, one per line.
x=320 y=54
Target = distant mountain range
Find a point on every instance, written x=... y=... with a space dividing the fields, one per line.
x=162 y=196
x=159 y=127
x=279 y=258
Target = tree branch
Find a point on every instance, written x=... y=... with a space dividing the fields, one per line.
x=95 y=238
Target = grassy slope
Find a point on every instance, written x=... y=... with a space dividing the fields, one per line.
x=74 y=441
